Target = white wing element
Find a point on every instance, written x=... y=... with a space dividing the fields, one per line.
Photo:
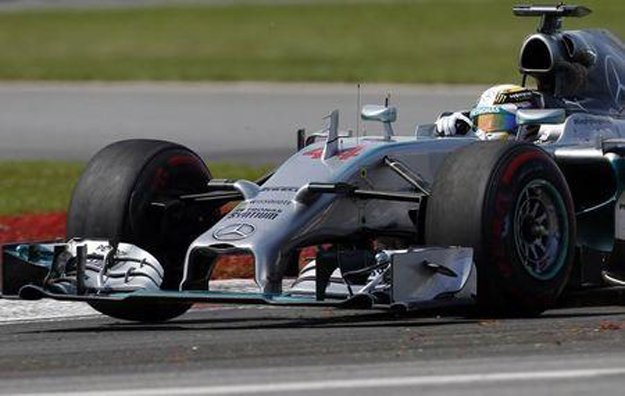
x=126 y=268
x=416 y=275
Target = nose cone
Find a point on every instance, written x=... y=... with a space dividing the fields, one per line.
x=272 y=221
x=262 y=227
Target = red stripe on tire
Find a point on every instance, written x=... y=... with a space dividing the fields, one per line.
x=517 y=162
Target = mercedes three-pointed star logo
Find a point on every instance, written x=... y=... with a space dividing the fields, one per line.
x=234 y=232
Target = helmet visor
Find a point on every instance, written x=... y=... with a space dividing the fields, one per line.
x=495 y=122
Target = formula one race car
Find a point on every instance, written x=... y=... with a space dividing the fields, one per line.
x=396 y=222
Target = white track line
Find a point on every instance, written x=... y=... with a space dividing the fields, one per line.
x=333 y=385
x=51 y=319
x=18 y=311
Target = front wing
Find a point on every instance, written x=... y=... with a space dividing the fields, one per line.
x=411 y=279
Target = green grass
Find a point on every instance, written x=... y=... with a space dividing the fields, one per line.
x=46 y=186
x=425 y=41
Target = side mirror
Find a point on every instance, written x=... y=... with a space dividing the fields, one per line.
x=384 y=114
x=379 y=113
x=540 y=116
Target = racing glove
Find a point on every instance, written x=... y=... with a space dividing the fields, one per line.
x=453 y=124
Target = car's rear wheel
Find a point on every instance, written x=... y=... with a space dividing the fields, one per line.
x=511 y=204
x=114 y=198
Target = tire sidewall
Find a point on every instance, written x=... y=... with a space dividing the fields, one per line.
x=113 y=200
x=498 y=259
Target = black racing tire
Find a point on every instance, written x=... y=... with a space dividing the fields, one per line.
x=112 y=200
x=510 y=202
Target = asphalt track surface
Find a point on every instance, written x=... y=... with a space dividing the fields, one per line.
x=67 y=349
x=238 y=122
x=266 y=350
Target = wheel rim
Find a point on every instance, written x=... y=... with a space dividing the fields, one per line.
x=541 y=229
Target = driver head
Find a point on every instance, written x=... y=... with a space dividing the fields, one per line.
x=494 y=115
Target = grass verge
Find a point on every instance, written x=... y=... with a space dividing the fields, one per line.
x=46 y=186
x=426 y=41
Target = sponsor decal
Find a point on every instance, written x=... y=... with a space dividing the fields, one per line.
x=314 y=154
x=342 y=155
x=489 y=110
x=279 y=189
x=280 y=202
x=234 y=232
x=524 y=96
x=255 y=213
x=350 y=153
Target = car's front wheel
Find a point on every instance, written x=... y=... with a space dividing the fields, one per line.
x=511 y=204
x=114 y=200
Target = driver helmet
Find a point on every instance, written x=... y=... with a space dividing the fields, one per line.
x=494 y=114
